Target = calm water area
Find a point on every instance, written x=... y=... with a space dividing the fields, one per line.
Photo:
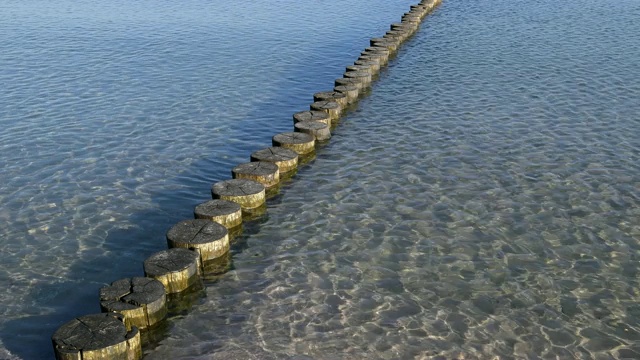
x=482 y=202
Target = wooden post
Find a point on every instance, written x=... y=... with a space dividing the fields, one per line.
x=350 y=81
x=330 y=107
x=264 y=172
x=336 y=96
x=386 y=43
x=320 y=131
x=225 y=213
x=299 y=142
x=141 y=300
x=362 y=76
x=207 y=238
x=312 y=115
x=248 y=194
x=351 y=91
x=177 y=269
x=286 y=159
x=97 y=336
x=374 y=65
x=369 y=69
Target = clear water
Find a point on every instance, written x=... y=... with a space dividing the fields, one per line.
x=117 y=116
x=481 y=203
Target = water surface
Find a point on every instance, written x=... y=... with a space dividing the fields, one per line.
x=482 y=203
x=117 y=117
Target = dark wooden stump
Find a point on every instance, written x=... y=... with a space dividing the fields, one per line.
x=412 y=16
x=248 y=194
x=380 y=53
x=312 y=115
x=411 y=28
x=299 y=142
x=209 y=239
x=399 y=35
x=264 y=172
x=225 y=213
x=177 y=269
x=330 y=107
x=386 y=43
x=374 y=65
x=381 y=59
x=336 y=96
x=371 y=68
x=286 y=159
x=351 y=91
x=141 y=300
x=350 y=81
x=97 y=336
x=362 y=76
x=320 y=131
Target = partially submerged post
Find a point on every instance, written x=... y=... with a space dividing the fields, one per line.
x=320 y=131
x=209 y=239
x=248 y=194
x=299 y=142
x=286 y=159
x=97 y=336
x=141 y=300
x=177 y=269
x=264 y=172
x=225 y=213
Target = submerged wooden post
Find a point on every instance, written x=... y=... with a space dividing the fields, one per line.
x=312 y=115
x=320 y=131
x=330 y=107
x=263 y=172
x=299 y=142
x=286 y=159
x=248 y=194
x=97 y=336
x=225 y=213
x=209 y=239
x=351 y=91
x=363 y=77
x=374 y=65
x=386 y=43
x=336 y=96
x=177 y=269
x=141 y=300
x=350 y=81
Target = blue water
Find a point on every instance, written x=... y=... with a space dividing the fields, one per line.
x=482 y=202
x=117 y=117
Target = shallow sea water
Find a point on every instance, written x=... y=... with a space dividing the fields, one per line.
x=117 y=117
x=481 y=203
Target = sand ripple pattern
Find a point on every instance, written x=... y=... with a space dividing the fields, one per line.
x=483 y=202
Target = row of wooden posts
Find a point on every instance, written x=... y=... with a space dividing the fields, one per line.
x=195 y=246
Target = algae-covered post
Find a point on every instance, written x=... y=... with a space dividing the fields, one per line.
x=209 y=239
x=285 y=159
x=320 y=131
x=330 y=107
x=141 y=300
x=177 y=269
x=248 y=194
x=264 y=172
x=97 y=336
x=299 y=142
x=225 y=213
x=312 y=115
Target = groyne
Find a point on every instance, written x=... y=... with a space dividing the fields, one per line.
x=199 y=247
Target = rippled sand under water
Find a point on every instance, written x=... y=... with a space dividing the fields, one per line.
x=483 y=202
x=116 y=118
